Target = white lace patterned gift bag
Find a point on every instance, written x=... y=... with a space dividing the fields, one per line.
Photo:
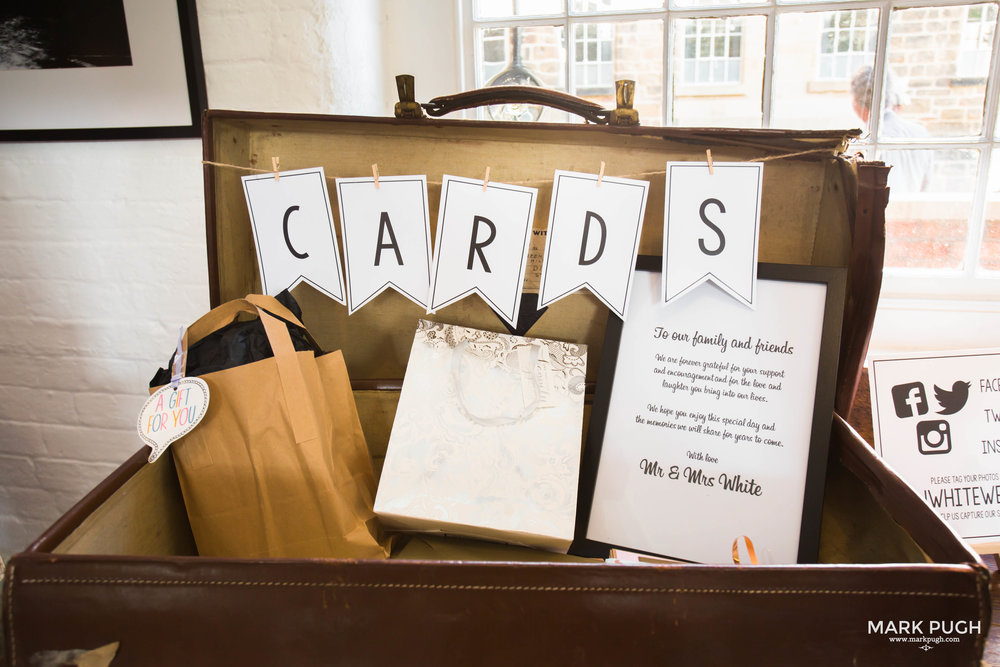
x=487 y=437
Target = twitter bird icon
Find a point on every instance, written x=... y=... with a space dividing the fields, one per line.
x=954 y=400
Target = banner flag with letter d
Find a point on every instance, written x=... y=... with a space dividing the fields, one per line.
x=593 y=238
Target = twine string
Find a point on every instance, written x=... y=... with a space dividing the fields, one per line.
x=644 y=174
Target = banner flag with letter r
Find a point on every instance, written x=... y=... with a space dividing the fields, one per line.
x=481 y=247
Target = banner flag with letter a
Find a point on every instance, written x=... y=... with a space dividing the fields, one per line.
x=387 y=237
x=593 y=238
x=293 y=231
x=481 y=244
x=711 y=228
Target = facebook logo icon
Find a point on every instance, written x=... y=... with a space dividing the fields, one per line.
x=909 y=399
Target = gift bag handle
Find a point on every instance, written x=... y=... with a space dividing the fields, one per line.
x=298 y=407
x=496 y=420
x=223 y=315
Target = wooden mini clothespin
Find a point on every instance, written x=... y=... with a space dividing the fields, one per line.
x=600 y=174
x=708 y=157
x=375 y=174
x=486 y=179
x=274 y=167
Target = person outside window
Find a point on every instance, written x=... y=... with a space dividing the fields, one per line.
x=911 y=170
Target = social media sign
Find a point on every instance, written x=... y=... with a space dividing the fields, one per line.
x=937 y=421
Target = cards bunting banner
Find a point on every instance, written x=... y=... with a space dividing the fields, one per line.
x=482 y=242
x=387 y=237
x=593 y=237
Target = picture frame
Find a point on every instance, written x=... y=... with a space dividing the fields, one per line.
x=689 y=474
x=155 y=89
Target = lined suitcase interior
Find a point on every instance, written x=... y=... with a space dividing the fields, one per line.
x=807 y=212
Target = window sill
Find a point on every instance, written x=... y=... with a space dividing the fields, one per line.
x=923 y=310
x=839 y=86
x=931 y=325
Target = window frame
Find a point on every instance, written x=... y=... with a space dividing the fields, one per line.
x=902 y=289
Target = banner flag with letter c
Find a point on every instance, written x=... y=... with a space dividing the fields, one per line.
x=294 y=232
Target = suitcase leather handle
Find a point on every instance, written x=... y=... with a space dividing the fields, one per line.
x=623 y=114
x=482 y=97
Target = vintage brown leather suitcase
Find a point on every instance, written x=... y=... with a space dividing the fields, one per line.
x=121 y=565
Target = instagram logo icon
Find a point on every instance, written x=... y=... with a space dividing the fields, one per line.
x=933 y=437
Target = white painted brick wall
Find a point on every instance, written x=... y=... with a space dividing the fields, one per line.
x=102 y=244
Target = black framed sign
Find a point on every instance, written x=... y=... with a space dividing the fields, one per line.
x=712 y=420
x=111 y=69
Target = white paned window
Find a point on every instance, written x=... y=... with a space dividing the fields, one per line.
x=593 y=44
x=920 y=80
x=847 y=42
x=712 y=49
x=977 y=41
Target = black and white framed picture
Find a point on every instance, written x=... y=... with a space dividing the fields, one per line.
x=104 y=69
x=711 y=420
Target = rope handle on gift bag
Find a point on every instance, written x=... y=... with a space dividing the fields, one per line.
x=293 y=385
x=497 y=420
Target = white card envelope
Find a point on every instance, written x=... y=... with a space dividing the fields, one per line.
x=487 y=437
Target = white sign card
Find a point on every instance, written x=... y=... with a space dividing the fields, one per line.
x=593 y=238
x=712 y=420
x=293 y=231
x=936 y=419
x=482 y=244
x=387 y=237
x=711 y=227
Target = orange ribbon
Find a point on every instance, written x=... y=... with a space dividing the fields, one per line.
x=750 y=550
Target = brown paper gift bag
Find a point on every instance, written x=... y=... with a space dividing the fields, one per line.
x=278 y=467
